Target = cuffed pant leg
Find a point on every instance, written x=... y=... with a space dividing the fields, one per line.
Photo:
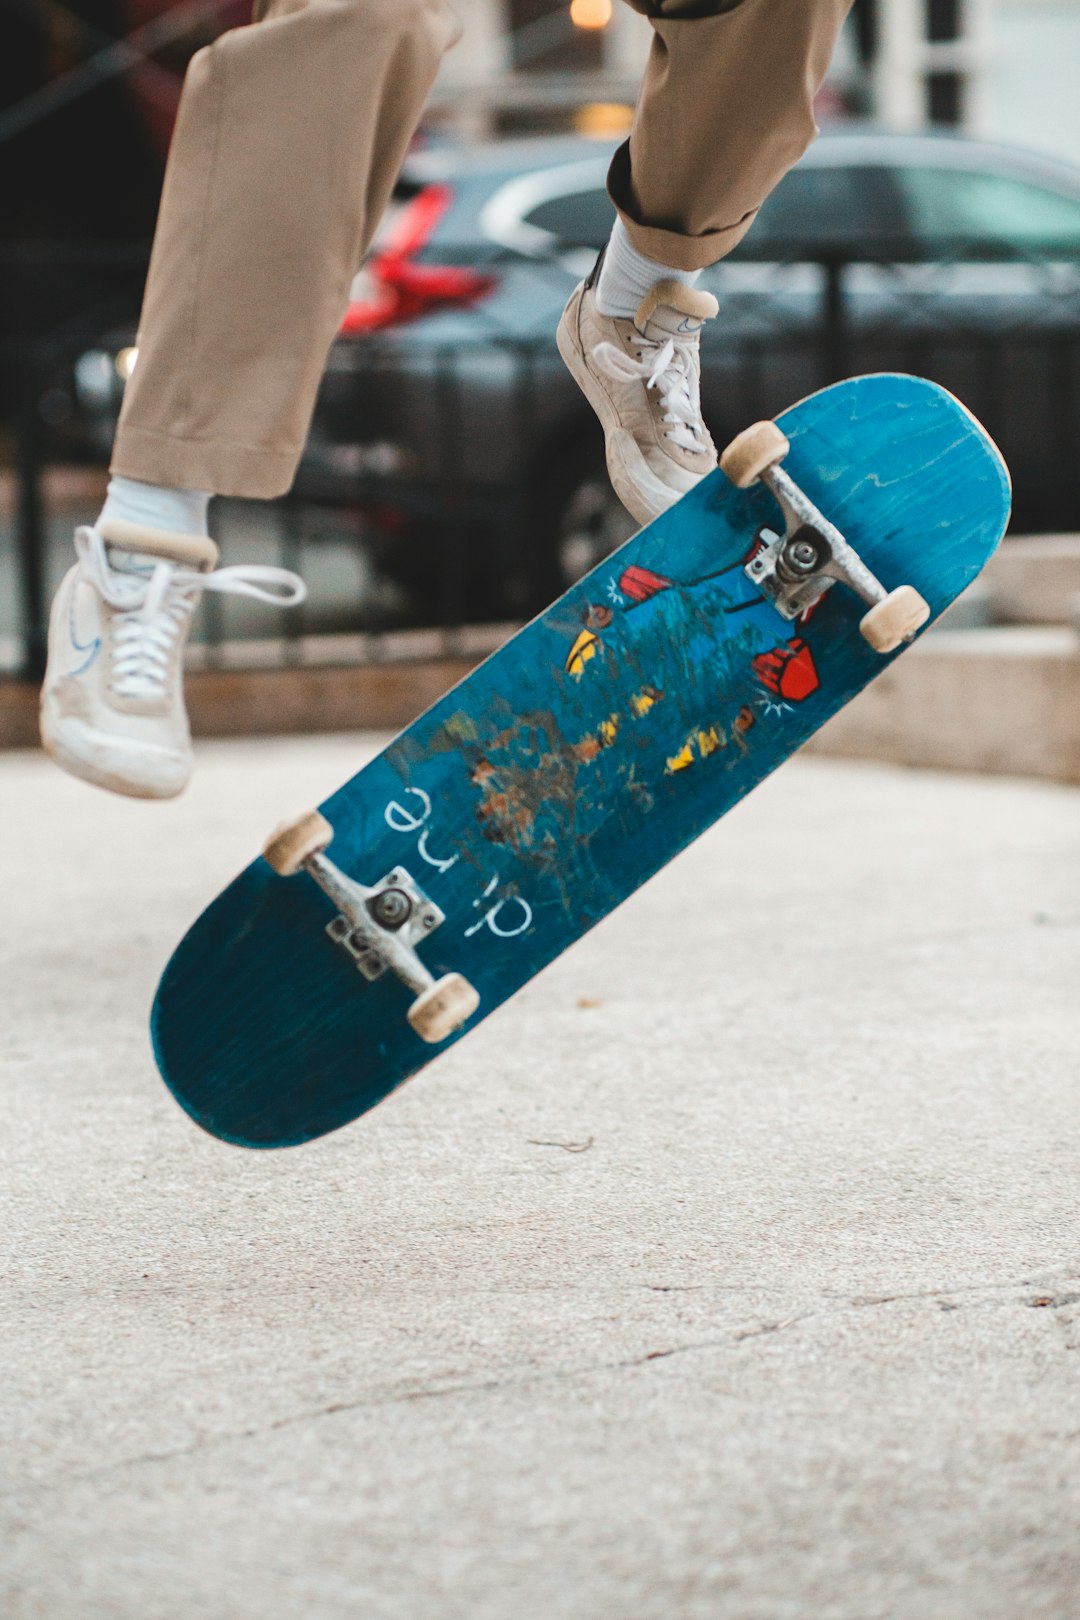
x=289 y=138
x=726 y=108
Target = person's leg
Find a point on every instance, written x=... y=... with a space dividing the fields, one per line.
x=726 y=108
x=288 y=141
x=289 y=137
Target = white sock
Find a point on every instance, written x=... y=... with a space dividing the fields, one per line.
x=156 y=507
x=627 y=275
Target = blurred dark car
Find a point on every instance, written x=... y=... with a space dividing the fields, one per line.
x=447 y=418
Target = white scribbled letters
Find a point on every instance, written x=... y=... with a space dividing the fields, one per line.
x=506 y=918
x=491 y=915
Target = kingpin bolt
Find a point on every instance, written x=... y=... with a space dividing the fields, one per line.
x=803 y=555
x=391 y=908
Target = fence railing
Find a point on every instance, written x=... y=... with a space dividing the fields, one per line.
x=454 y=475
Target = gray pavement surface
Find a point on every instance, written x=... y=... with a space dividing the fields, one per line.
x=730 y=1273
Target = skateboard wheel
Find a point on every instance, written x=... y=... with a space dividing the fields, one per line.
x=443 y=1007
x=895 y=620
x=756 y=449
x=290 y=845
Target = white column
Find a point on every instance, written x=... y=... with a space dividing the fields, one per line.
x=480 y=53
x=977 y=36
x=898 y=82
x=478 y=59
x=627 y=39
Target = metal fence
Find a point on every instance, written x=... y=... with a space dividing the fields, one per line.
x=454 y=476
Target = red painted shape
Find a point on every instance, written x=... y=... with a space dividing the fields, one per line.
x=788 y=671
x=641 y=583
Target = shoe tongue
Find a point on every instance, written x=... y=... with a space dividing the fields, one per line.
x=148 y=545
x=131 y=562
x=671 y=309
x=665 y=322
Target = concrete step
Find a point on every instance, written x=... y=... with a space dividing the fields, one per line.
x=1003 y=699
x=279 y=702
x=1033 y=581
x=1028 y=581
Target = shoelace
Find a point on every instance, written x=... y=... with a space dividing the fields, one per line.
x=154 y=608
x=668 y=367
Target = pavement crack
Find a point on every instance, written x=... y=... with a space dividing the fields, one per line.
x=772 y=1327
x=664 y=1355
x=396 y=1398
x=1053 y=1294
x=859 y=1301
x=567 y=1147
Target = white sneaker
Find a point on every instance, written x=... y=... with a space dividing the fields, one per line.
x=112 y=706
x=642 y=378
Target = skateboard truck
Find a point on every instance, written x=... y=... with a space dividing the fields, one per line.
x=378 y=927
x=795 y=569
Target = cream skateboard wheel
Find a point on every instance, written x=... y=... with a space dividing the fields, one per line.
x=755 y=450
x=443 y=1007
x=294 y=842
x=895 y=620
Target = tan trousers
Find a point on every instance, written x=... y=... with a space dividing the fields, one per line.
x=288 y=141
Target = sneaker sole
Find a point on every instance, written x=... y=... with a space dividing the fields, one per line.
x=105 y=765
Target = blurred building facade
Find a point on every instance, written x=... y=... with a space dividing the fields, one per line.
x=526 y=65
x=1029 y=87
x=1004 y=69
x=84 y=127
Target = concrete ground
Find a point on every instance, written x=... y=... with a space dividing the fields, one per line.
x=731 y=1273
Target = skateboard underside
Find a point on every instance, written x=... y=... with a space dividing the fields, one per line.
x=572 y=765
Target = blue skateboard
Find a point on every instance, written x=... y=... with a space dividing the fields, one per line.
x=577 y=761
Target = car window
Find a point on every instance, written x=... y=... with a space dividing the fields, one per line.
x=811 y=207
x=828 y=206
x=987 y=210
x=576 y=219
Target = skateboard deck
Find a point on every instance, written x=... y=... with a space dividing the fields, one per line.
x=571 y=766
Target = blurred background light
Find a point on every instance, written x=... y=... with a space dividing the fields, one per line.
x=590 y=13
x=603 y=119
